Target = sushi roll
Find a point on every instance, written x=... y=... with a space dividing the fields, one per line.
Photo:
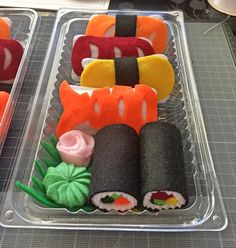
x=163 y=182
x=115 y=179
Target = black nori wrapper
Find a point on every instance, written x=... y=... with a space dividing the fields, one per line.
x=127 y=72
x=115 y=162
x=125 y=25
x=161 y=159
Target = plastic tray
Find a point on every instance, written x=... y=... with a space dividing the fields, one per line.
x=205 y=210
x=24 y=29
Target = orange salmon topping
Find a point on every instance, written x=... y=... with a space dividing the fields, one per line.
x=119 y=105
x=4 y=29
x=154 y=29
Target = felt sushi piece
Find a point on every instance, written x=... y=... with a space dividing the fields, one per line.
x=89 y=110
x=163 y=181
x=4 y=96
x=154 y=71
x=5 y=28
x=11 y=52
x=76 y=147
x=87 y=46
x=115 y=174
x=152 y=28
x=67 y=185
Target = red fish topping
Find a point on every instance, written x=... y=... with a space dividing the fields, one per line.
x=107 y=48
x=161 y=195
x=11 y=52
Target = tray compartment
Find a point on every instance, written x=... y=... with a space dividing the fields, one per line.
x=173 y=111
x=24 y=28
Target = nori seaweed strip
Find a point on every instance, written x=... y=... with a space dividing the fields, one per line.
x=125 y=25
x=161 y=159
x=115 y=163
x=127 y=72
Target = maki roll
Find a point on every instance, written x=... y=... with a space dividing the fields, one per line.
x=115 y=179
x=163 y=182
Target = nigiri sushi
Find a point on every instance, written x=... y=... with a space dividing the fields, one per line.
x=152 y=28
x=154 y=71
x=87 y=46
x=89 y=110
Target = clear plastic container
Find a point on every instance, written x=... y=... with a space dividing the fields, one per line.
x=24 y=28
x=205 y=210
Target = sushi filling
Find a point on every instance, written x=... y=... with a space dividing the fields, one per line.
x=163 y=200
x=117 y=199
x=114 y=201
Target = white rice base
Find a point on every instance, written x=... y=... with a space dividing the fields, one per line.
x=74 y=76
x=96 y=199
x=148 y=204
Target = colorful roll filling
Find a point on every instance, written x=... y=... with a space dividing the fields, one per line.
x=115 y=176
x=118 y=201
x=163 y=181
x=163 y=200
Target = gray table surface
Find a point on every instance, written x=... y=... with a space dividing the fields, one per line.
x=215 y=74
